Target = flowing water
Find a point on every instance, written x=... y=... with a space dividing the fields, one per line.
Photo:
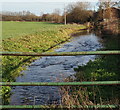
x=53 y=69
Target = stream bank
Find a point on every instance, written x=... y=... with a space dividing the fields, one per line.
x=53 y=69
x=103 y=68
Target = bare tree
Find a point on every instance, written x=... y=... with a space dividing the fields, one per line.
x=56 y=15
x=104 y=4
x=78 y=12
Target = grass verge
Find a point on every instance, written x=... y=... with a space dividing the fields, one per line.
x=104 y=68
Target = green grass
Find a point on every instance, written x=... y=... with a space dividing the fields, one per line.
x=18 y=29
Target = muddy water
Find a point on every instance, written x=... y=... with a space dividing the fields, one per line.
x=53 y=69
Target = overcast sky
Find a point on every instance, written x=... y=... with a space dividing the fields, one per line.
x=47 y=0
x=37 y=6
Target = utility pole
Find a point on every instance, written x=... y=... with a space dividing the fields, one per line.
x=94 y=8
x=65 y=20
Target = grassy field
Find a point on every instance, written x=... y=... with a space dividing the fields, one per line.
x=29 y=37
x=18 y=29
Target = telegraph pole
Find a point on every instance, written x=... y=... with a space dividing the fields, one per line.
x=65 y=20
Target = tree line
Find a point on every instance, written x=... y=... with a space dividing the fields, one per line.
x=19 y=16
x=78 y=12
x=75 y=13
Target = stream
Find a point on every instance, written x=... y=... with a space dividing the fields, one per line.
x=53 y=69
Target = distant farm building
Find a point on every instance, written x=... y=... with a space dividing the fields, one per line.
x=107 y=14
x=111 y=14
